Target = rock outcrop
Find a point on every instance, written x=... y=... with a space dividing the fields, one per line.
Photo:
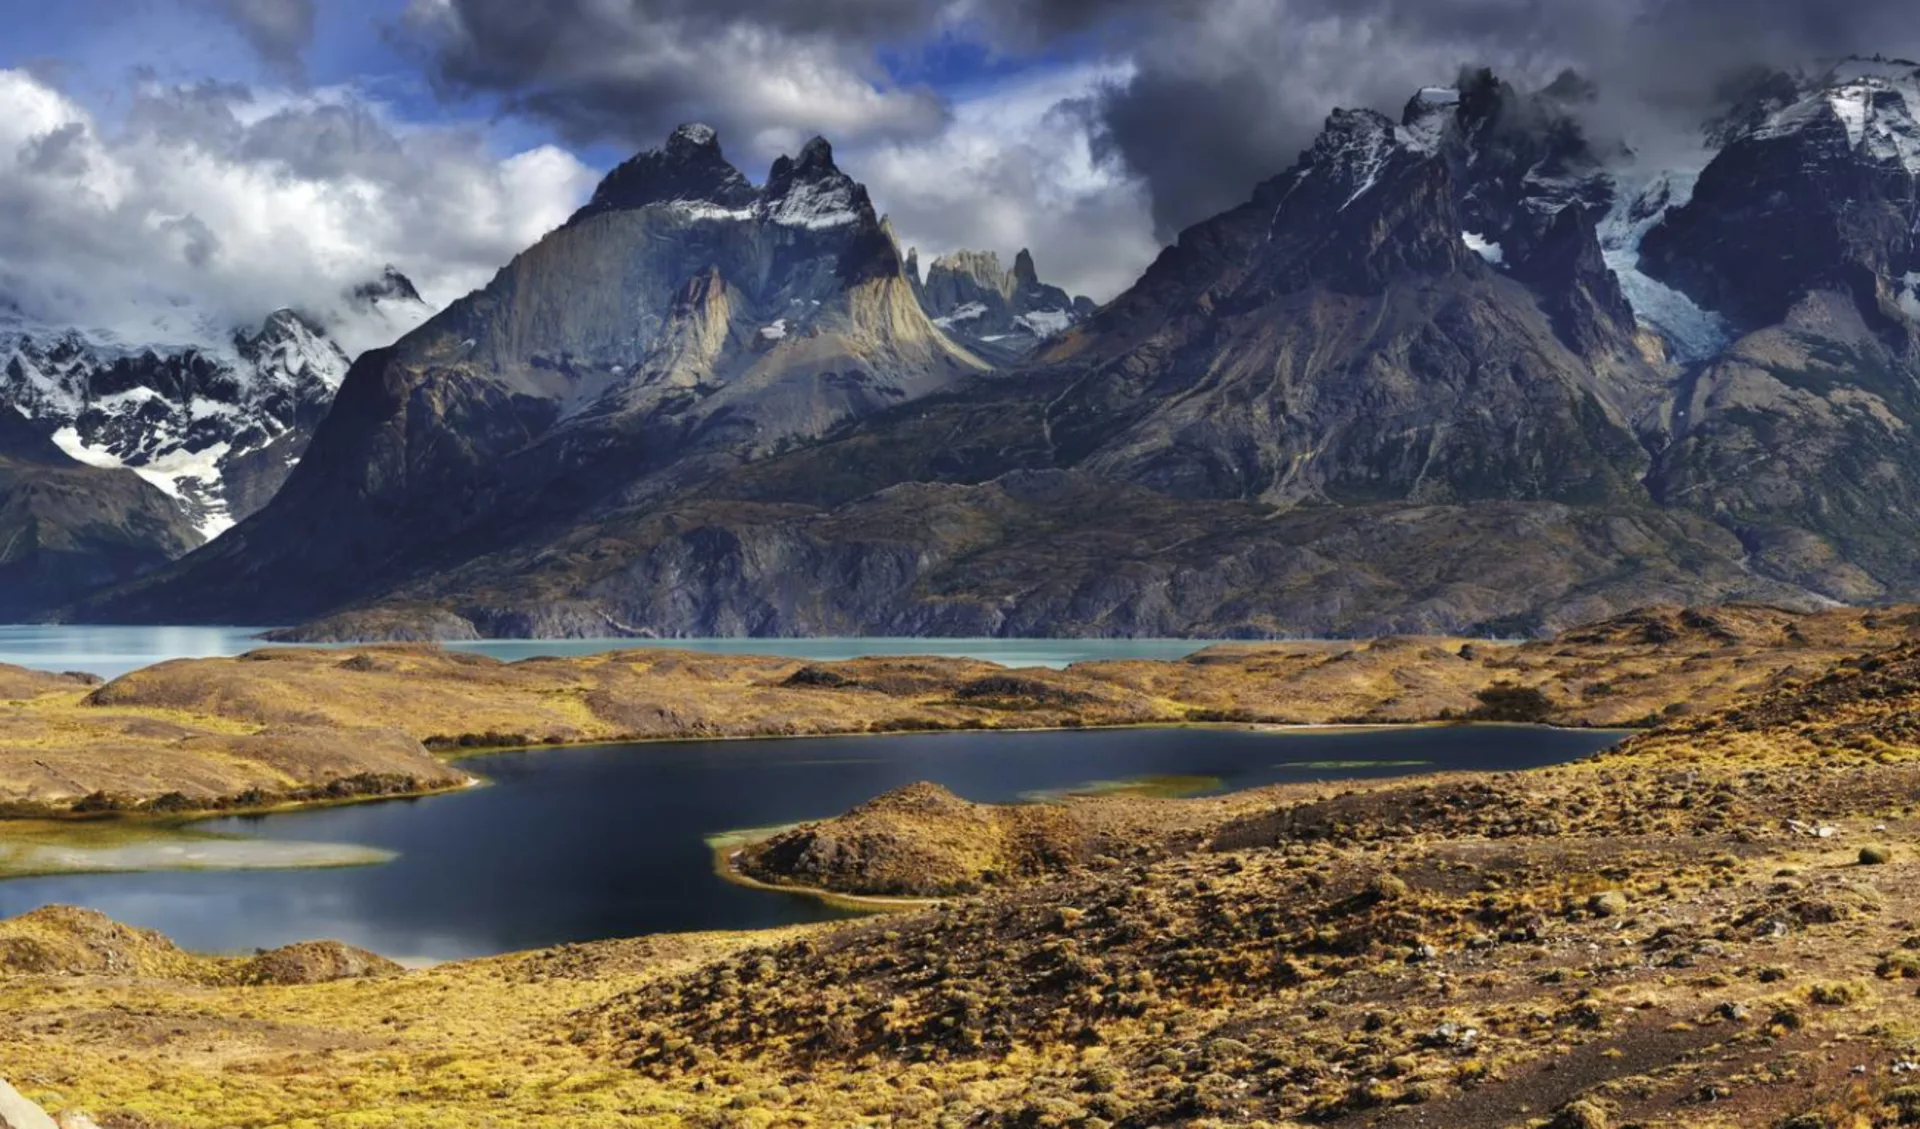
x=315 y=962
x=919 y=841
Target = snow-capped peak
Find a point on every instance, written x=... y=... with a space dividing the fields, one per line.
x=289 y=349
x=811 y=192
x=1874 y=100
x=695 y=133
x=214 y=428
x=1428 y=116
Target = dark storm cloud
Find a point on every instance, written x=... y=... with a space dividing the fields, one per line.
x=629 y=70
x=280 y=31
x=1220 y=94
x=1228 y=93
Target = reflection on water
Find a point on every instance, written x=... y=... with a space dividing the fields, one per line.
x=581 y=844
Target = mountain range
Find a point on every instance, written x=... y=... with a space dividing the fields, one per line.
x=185 y=438
x=1464 y=369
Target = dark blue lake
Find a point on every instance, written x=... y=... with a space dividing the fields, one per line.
x=590 y=843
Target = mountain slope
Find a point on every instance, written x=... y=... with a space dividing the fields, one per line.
x=66 y=528
x=1339 y=339
x=1799 y=238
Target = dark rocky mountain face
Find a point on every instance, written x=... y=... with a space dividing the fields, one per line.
x=1001 y=314
x=1416 y=311
x=1799 y=236
x=1460 y=370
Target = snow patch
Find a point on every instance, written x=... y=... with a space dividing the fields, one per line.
x=1909 y=297
x=1875 y=101
x=194 y=477
x=131 y=398
x=815 y=205
x=697 y=132
x=68 y=440
x=702 y=211
x=1046 y=323
x=1850 y=102
x=1364 y=154
x=775 y=332
x=1484 y=247
x=972 y=311
x=1432 y=111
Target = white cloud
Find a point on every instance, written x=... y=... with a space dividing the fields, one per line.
x=1016 y=167
x=202 y=208
x=210 y=204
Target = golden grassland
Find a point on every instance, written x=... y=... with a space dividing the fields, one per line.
x=1715 y=925
x=1644 y=938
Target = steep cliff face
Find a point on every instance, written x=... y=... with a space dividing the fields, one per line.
x=682 y=323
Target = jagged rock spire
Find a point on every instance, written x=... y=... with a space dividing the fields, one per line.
x=1024 y=273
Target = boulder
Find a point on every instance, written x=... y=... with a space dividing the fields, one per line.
x=16 y=1112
